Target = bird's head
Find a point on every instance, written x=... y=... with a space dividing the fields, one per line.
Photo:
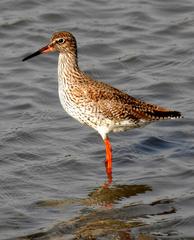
x=63 y=42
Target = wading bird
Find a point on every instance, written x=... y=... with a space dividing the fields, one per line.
x=97 y=104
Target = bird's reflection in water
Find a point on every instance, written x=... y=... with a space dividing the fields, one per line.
x=108 y=195
x=105 y=223
x=105 y=195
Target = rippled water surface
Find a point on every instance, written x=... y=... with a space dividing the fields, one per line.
x=52 y=175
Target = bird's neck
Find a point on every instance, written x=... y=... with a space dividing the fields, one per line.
x=67 y=66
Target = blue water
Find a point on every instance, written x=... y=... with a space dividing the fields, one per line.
x=52 y=171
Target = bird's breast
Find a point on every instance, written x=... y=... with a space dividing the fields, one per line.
x=79 y=107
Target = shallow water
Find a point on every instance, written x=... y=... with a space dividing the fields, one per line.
x=52 y=172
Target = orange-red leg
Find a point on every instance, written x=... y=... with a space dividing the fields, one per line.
x=108 y=161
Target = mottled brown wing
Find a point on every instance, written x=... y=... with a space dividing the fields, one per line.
x=117 y=105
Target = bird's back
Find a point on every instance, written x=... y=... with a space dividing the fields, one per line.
x=96 y=104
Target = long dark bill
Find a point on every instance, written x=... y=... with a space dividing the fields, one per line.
x=45 y=49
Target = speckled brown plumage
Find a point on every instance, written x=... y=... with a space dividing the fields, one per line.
x=95 y=103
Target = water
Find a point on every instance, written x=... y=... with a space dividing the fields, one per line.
x=51 y=168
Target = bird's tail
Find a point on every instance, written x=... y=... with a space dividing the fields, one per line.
x=158 y=114
x=151 y=112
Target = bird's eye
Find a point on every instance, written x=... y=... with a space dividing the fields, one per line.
x=61 y=40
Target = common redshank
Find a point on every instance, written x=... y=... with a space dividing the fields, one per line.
x=97 y=104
